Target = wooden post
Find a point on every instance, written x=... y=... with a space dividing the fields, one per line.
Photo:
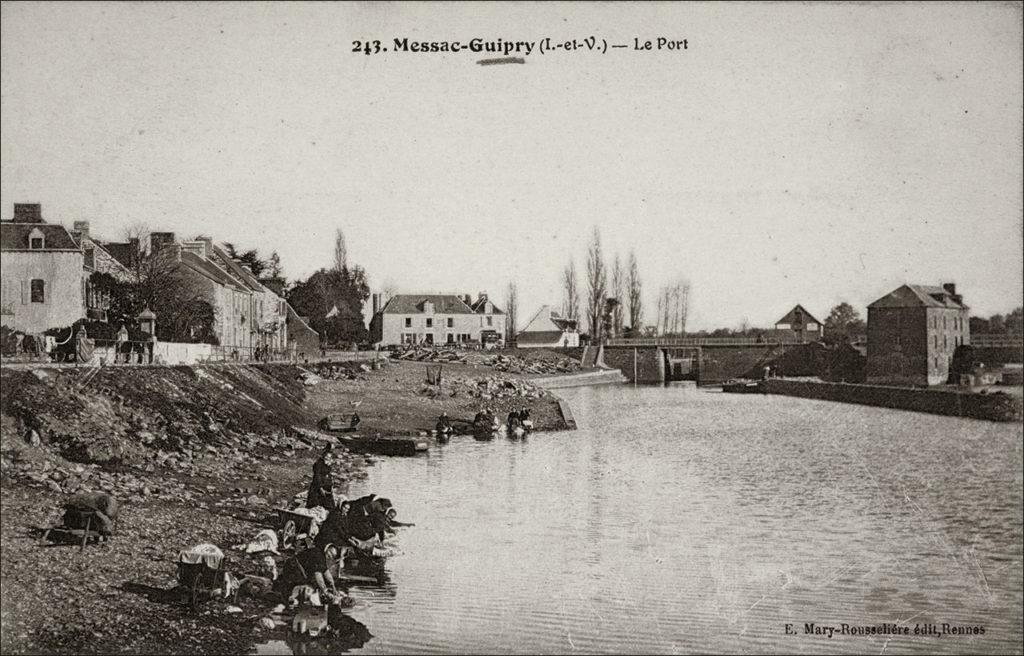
x=634 y=364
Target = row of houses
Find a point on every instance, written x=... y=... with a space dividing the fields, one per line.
x=47 y=283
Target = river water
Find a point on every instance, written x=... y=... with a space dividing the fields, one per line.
x=685 y=520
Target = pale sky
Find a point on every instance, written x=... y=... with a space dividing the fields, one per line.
x=792 y=154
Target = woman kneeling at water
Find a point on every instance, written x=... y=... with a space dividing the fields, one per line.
x=307 y=568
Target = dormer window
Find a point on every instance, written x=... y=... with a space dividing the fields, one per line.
x=428 y=307
x=36 y=240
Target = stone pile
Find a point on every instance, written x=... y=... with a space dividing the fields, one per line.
x=517 y=365
x=420 y=354
x=486 y=388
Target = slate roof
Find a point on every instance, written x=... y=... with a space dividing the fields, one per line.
x=121 y=251
x=210 y=270
x=547 y=320
x=480 y=307
x=14 y=236
x=790 y=317
x=413 y=304
x=237 y=270
x=919 y=296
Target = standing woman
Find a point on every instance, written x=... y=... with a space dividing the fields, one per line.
x=321 y=487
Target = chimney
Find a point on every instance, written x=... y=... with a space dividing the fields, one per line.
x=82 y=228
x=207 y=247
x=376 y=303
x=196 y=247
x=950 y=288
x=158 y=240
x=28 y=213
x=467 y=299
x=481 y=296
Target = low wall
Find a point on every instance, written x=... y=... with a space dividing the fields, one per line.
x=718 y=365
x=650 y=363
x=993 y=407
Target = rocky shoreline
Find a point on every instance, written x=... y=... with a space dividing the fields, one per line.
x=194 y=455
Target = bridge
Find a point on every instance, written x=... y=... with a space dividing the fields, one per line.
x=706 y=360
x=712 y=360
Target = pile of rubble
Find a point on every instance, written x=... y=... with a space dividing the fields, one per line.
x=488 y=388
x=517 y=365
x=422 y=354
x=346 y=370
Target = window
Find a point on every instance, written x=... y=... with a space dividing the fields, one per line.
x=451 y=337
x=90 y=258
x=490 y=321
x=408 y=322
x=451 y=322
x=943 y=322
x=430 y=322
x=36 y=243
x=945 y=342
x=38 y=291
x=936 y=340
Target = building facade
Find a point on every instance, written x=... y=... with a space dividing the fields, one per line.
x=913 y=333
x=798 y=325
x=547 y=329
x=41 y=273
x=435 y=319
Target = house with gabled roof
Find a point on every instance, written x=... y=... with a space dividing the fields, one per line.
x=798 y=325
x=548 y=329
x=41 y=280
x=913 y=332
x=435 y=319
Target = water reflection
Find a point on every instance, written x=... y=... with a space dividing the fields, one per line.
x=684 y=520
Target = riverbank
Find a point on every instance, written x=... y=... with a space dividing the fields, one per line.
x=194 y=454
x=996 y=406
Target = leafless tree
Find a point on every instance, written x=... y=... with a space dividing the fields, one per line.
x=511 y=313
x=673 y=307
x=635 y=295
x=388 y=291
x=618 y=293
x=597 y=284
x=340 y=251
x=571 y=292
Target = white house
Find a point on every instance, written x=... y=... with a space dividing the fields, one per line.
x=436 y=319
x=41 y=273
x=548 y=329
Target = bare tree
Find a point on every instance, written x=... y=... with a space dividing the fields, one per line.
x=511 y=313
x=571 y=292
x=388 y=291
x=597 y=281
x=618 y=293
x=635 y=294
x=340 y=251
x=673 y=307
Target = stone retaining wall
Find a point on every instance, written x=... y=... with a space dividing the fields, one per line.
x=993 y=407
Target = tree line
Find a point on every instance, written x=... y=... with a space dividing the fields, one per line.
x=612 y=297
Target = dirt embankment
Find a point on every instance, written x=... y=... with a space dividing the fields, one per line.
x=193 y=454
